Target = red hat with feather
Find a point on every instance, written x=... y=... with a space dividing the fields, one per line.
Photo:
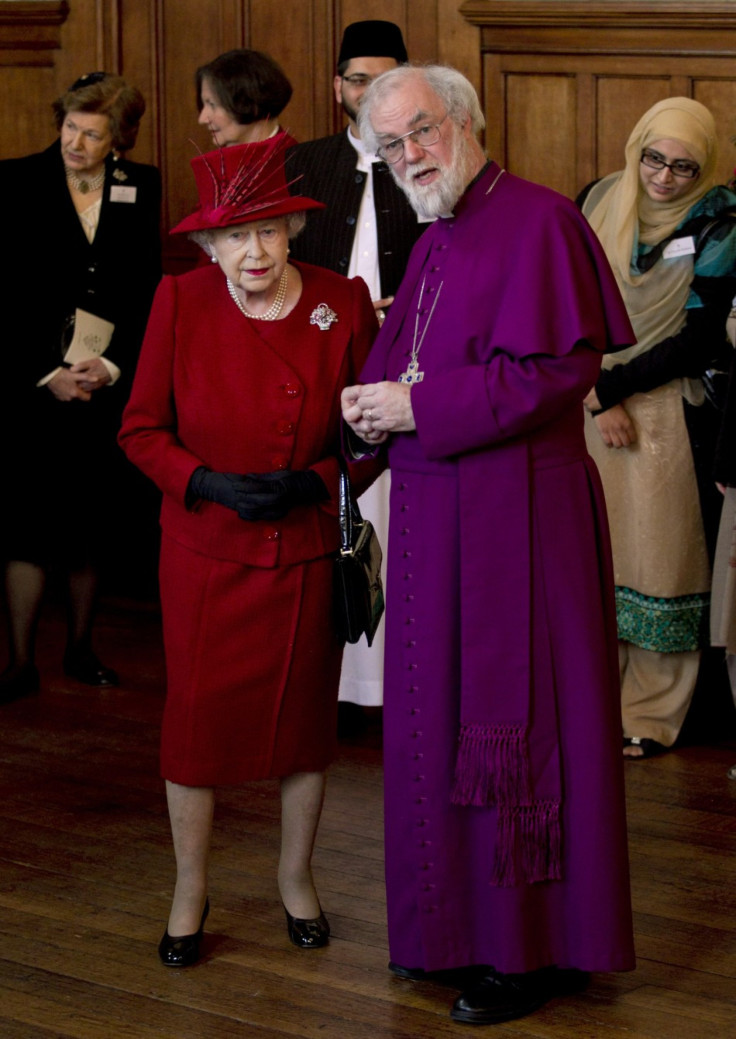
x=242 y=183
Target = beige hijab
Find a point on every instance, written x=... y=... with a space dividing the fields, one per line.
x=625 y=215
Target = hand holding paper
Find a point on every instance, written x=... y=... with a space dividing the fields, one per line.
x=91 y=338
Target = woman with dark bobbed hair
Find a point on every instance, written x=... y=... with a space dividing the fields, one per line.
x=240 y=96
x=86 y=262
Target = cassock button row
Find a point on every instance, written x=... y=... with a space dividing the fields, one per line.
x=413 y=711
x=410 y=644
x=416 y=734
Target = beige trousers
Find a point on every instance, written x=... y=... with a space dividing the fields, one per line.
x=656 y=690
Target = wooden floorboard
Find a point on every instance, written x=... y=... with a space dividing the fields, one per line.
x=86 y=872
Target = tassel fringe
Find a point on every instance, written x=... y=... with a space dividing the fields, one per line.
x=528 y=845
x=492 y=766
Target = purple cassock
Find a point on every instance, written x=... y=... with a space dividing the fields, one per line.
x=505 y=821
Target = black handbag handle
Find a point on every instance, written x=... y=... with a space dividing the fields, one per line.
x=348 y=511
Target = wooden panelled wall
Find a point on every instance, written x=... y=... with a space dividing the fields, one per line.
x=158 y=44
x=562 y=82
x=565 y=83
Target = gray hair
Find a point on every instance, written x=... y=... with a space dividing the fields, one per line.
x=295 y=223
x=455 y=91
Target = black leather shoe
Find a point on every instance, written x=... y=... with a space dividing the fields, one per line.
x=184 y=951
x=87 y=668
x=504 y=997
x=17 y=681
x=308 y=934
x=409 y=973
x=455 y=977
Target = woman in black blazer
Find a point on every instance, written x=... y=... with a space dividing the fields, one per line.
x=82 y=231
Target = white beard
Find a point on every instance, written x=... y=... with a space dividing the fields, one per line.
x=439 y=198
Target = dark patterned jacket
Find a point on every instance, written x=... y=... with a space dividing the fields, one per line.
x=326 y=172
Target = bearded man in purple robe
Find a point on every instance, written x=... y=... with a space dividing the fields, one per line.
x=506 y=853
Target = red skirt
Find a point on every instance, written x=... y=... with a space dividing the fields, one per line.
x=253 y=666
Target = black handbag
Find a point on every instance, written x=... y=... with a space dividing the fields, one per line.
x=358 y=589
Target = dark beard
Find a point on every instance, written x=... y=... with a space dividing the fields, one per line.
x=350 y=111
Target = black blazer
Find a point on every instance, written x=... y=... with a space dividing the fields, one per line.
x=52 y=269
x=326 y=171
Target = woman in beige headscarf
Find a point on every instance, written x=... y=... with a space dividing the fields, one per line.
x=664 y=226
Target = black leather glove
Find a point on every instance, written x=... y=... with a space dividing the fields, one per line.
x=272 y=495
x=222 y=488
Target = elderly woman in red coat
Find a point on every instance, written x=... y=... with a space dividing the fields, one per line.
x=234 y=415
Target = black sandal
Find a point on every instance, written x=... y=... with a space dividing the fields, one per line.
x=649 y=748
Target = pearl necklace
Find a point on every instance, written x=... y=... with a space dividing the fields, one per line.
x=274 y=310
x=85 y=186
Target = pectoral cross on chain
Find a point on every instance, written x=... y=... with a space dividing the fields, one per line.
x=412 y=374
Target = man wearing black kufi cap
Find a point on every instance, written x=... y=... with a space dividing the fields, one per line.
x=337 y=171
x=368 y=229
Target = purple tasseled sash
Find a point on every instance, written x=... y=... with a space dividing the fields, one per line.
x=494 y=767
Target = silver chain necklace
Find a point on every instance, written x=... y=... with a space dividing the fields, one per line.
x=412 y=373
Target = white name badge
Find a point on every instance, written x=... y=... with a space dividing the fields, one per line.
x=122 y=193
x=679 y=247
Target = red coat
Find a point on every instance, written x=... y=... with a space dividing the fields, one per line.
x=209 y=390
x=252 y=656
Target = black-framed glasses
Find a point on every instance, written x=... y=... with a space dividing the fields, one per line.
x=425 y=136
x=678 y=168
x=358 y=79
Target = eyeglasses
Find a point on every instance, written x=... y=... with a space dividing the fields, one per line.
x=425 y=136
x=678 y=168
x=358 y=79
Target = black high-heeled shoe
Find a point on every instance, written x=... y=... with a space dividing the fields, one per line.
x=183 y=951
x=307 y=934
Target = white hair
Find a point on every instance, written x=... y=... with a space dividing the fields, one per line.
x=455 y=91
x=295 y=223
